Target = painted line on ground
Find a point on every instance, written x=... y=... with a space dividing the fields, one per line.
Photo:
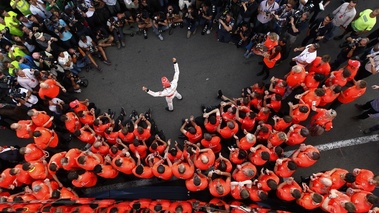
x=342 y=143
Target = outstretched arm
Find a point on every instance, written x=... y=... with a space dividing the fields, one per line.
x=176 y=68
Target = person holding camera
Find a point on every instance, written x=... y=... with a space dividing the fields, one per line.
x=241 y=38
x=143 y=21
x=265 y=15
x=281 y=18
x=247 y=9
x=129 y=24
x=62 y=30
x=65 y=60
x=371 y=66
x=23 y=97
x=160 y=24
x=90 y=47
x=351 y=48
x=48 y=43
x=174 y=17
x=296 y=25
x=190 y=19
x=205 y=18
x=115 y=26
x=225 y=28
x=319 y=29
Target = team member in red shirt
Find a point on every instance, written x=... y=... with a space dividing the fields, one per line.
x=87 y=116
x=229 y=130
x=277 y=86
x=296 y=135
x=24 y=128
x=211 y=120
x=245 y=171
x=312 y=81
x=159 y=205
x=124 y=163
x=86 y=134
x=340 y=177
x=42 y=189
x=353 y=66
x=180 y=206
x=219 y=187
x=362 y=200
x=32 y=153
x=276 y=152
x=337 y=201
x=50 y=88
x=285 y=167
x=350 y=94
x=64 y=193
x=339 y=77
x=55 y=164
x=161 y=170
x=309 y=199
x=204 y=158
x=268 y=180
x=7 y=181
x=246 y=142
x=158 y=145
x=273 y=101
x=198 y=182
x=101 y=123
x=364 y=180
x=295 y=77
x=240 y=189
x=323 y=118
x=263 y=132
x=311 y=97
x=331 y=93
x=78 y=106
x=231 y=111
x=276 y=138
x=305 y=156
x=183 y=170
x=142 y=171
x=86 y=179
x=126 y=133
x=320 y=65
x=223 y=164
x=263 y=115
x=40 y=118
x=140 y=147
x=71 y=121
x=320 y=183
x=211 y=141
x=248 y=122
x=68 y=162
x=100 y=147
x=194 y=132
x=259 y=155
x=36 y=170
x=22 y=177
x=281 y=124
x=237 y=156
x=105 y=171
x=140 y=133
x=289 y=190
x=88 y=160
x=299 y=112
x=45 y=138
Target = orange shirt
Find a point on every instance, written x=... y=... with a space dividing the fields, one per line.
x=362 y=180
x=166 y=175
x=270 y=63
x=87 y=118
x=67 y=194
x=283 y=170
x=87 y=137
x=102 y=150
x=23 y=177
x=337 y=79
x=188 y=173
x=233 y=157
x=40 y=119
x=88 y=179
x=240 y=176
x=23 y=132
x=322 y=119
x=44 y=193
x=310 y=82
x=294 y=79
x=127 y=165
x=91 y=161
x=306 y=201
x=227 y=162
x=244 y=144
x=281 y=125
x=51 y=92
x=318 y=67
x=80 y=107
x=360 y=201
x=164 y=204
x=71 y=122
x=101 y=128
x=337 y=178
x=284 y=190
x=111 y=137
x=193 y=188
x=213 y=144
x=186 y=206
x=350 y=94
x=317 y=186
x=160 y=149
x=141 y=148
x=262 y=136
x=108 y=172
x=224 y=183
x=298 y=116
x=274 y=139
x=278 y=89
x=144 y=136
x=303 y=160
x=72 y=154
x=256 y=158
x=335 y=204
x=39 y=172
x=294 y=137
x=212 y=128
x=311 y=98
x=254 y=193
x=235 y=192
x=7 y=180
x=127 y=138
x=43 y=141
x=262 y=116
x=227 y=133
x=56 y=159
x=263 y=178
x=211 y=159
x=35 y=154
x=146 y=174
x=193 y=138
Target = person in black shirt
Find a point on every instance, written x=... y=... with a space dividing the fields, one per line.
x=281 y=17
x=160 y=24
x=350 y=49
x=242 y=35
x=247 y=9
x=205 y=18
x=319 y=30
x=295 y=27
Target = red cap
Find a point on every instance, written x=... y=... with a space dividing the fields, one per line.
x=165 y=82
x=74 y=103
x=354 y=63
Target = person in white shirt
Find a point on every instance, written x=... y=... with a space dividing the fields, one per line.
x=26 y=79
x=265 y=14
x=169 y=90
x=307 y=56
x=65 y=60
x=343 y=16
x=37 y=7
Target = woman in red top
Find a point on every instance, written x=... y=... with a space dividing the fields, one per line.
x=269 y=60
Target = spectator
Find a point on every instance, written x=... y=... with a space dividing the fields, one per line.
x=115 y=26
x=205 y=19
x=296 y=26
x=350 y=49
x=281 y=17
x=319 y=30
x=269 y=60
x=160 y=24
x=90 y=47
x=307 y=56
x=225 y=28
x=265 y=15
x=343 y=16
x=371 y=67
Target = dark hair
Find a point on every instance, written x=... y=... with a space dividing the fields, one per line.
x=241 y=154
x=278 y=150
x=97 y=169
x=296 y=194
x=272 y=184
x=173 y=151
x=64 y=118
x=82 y=159
x=350 y=207
x=277 y=49
x=304 y=109
x=372 y=199
x=244 y=194
x=265 y=155
x=36 y=133
x=114 y=149
x=77 y=133
x=73 y=175
x=315 y=155
x=191 y=130
x=154 y=145
x=350 y=177
x=263 y=195
x=118 y=162
x=337 y=89
x=319 y=77
x=139 y=169
x=161 y=169
x=320 y=92
x=346 y=73
x=158 y=207
x=278 y=97
x=304 y=132
x=222 y=165
x=292 y=165
x=136 y=205
x=56 y=194
x=212 y=119
x=26 y=166
x=96 y=122
x=326 y=58
x=196 y=180
x=317 y=198
x=53 y=166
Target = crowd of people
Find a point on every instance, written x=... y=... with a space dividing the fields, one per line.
x=233 y=150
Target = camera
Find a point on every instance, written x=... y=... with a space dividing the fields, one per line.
x=16 y=93
x=298 y=13
x=353 y=43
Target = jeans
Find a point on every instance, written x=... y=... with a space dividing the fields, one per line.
x=160 y=28
x=192 y=24
x=118 y=34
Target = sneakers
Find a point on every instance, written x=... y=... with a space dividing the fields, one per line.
x=208 y=32
x=118 y=45
x=123 y=113
x=219 y=94
x=123 y=44
x=160 y=37
x=167 y=109
x=145 y=34
x=107 y=62
x=204 y=30
x=78 y=90
x=189 y=34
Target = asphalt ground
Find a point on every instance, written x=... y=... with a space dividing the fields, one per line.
x=205 y=67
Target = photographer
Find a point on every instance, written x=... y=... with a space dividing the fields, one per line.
x=22 y=96
x=48 y=43
x=351 y=48
x=62 y=30
x=264 y=16
x=43 y=60
x=281 y=18
x=242 y=36
x=129 y=24
x=115 y=26
x=225 y=28
x=318 y=30
x=247 y=9
x=370 y=66
x=205 y=18
x=65 y=60
x=144 y=22
x=190 y=19
x=160 y=24
x=296 y=25
x=90 y=48
x=174 y=17
x=103 y=38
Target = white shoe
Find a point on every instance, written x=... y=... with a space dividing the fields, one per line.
x=208 y=32
x=160 y=37
x=189 y=34
x=78 y=91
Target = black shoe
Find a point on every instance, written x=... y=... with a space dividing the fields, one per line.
x=265 y=77
x=260 y=73
x=202 y=108
x=167 y=109
x=109 y=112
x=107 y=62
x=338 y=37
x=145 y=34
x=219 y=94
x=148 y=114
x=182 y=136
x=123 y=113
x=366 y=131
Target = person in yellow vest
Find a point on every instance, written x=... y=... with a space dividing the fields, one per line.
x=10 y=21
x=21 y=5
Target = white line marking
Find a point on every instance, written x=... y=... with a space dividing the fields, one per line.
x=342 y=143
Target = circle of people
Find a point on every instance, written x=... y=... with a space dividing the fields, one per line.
x=51 y=42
